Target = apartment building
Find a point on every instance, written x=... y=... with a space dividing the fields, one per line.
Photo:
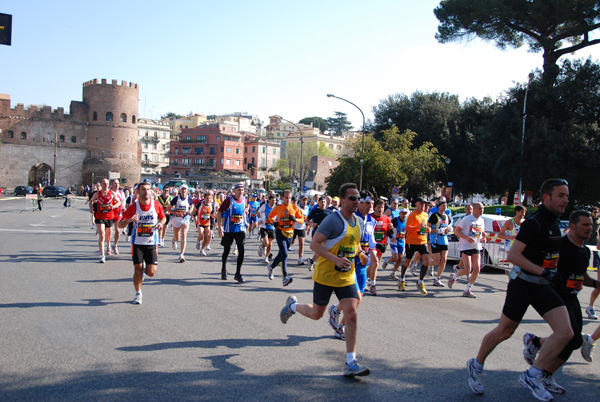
x=155 y=139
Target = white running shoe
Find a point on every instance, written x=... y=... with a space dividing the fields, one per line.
x=474 y=377
x=529 y=351
x=235 y=252
x=208 y=246
x=174 y=245
x=552 y=385
x=102 y=259
x=300 y=261
x=198 y=245
x=270 y=270
x=587 y=347
x=260 y=250
x=469 y=294
x=536 y=386
x=334 y=317
x=438 y=283
x=137 y=299
x=202 y=252
x=287 y=280
x=266 y=260
x=591 y=313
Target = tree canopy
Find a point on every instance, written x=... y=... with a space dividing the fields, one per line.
x=553 y=27
x=319 y=122
x=339 y=123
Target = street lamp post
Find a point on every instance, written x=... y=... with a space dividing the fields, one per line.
x=523 y=135
x=301 y=146
x=362 y=152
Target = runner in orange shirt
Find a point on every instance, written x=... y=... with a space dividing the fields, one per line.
x=416 y=242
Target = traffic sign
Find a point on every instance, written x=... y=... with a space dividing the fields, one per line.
x=304 y=188
x=396 y=190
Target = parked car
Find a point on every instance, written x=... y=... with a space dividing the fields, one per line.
x=23 y=190
x=494 y=252
x=53 y=191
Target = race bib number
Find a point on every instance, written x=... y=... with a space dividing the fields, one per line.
x=237 y=219
x=423 y=230
x=400 y=235
x=145 y=229
x=476 y=231
x=105 y=208
x=205 y=217
x=575 y=283
x=379 y=235
x=364 y=245
x=550 y=261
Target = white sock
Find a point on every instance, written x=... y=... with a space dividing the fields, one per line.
x=293 y=307
x=373 y=282
x=138 y=292
x=469 y=286
x=350 y=357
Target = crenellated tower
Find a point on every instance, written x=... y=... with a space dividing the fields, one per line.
x=112 y=138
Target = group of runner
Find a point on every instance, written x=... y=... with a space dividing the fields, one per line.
x=348 y=244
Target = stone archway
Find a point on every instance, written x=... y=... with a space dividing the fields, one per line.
x=40 y=173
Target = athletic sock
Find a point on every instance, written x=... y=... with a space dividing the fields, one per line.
x=350 y=357
x=534 y=372
x=373 y=282
x=469 y=286
x=478 y=365
x=293 y=307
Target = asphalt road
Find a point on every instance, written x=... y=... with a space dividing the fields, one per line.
x=69 y=332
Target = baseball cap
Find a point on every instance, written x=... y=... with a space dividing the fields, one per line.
x=238 y=186
x=183 y=186
x=303 y=196
x=404 y=210
x=419 y=199
x=336 y=199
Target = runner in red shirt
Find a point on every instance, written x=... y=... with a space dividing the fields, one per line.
x=383 y=229
x=106 y=202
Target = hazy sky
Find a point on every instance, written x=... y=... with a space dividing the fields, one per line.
x=261 y=57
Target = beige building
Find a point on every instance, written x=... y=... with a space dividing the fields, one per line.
x=338 y=145
x=191 y=121
x=278 y=130
x=155 y=138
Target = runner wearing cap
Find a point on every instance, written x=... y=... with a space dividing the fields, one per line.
x=439 y=225
x=392 y=212
x=252 y=217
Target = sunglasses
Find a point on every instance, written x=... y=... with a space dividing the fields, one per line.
x=352 y=198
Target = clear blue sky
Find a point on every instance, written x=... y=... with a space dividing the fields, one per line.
x=262 y=57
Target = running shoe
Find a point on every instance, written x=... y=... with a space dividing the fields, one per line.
x=587 y=347
x=286 y=311
x=422 y=288
x=469 y=294
x=438 y=283
x=393 y=276
x=108 y=250
x=300 y=261
x=202 y=252
x=373 y=290
x=412 y=270
x=266 y=260
x=115 y=250
x=451 y=281
x=354 y=369
x=102 y=259
x=529 y=350
x=198 y=244
x=589 y=310
x=181 y=259
x=430 y=270
x=260 y=250
x=339 y=333
x=174 y=245
x=536 y=386
x=208 y=246
x=271 y=276
x=224 y=274
x=552 y=385
x=334 y=317
x=137 y=299
x=384 y=264
x=128 y=238
x=238 y=278
x=235 y=252
x=402 y=285
x=475 y=377
x=270 y=256
x=287 y=280
x=311 y=264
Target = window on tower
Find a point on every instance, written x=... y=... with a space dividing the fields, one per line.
x=123 y=118
x=109 y=116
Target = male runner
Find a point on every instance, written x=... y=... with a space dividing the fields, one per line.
x=252 y=218
x=204 y=212
x=232 y=225
x=283 y=218
x=399 y=234
x=416 y=243
x=336 y=242
x=471 y=236
x=534 y=254
x=439 y=224
x=300 y=228
x=383 y=230
x=594 y=241
x=267 y=233
x=315 y=217
x=148 y=218
x=106 y=202
x=572 y=267
x=118 y=212
x=392 y=212
x=180 y=208
x=511 y=227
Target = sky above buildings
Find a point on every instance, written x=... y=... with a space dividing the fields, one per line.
x=262 y=57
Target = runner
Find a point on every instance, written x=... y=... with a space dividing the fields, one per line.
x=534 y=254
x=204 y=212
x=315 y=217
x=399 y=225
x=164 y=198
x=511 y=227
x=252 y=218
x=283 y=218
x=118 y=212
x=232 y=225
x=416 y=243
x=594 y=241
x=300 y=228
x=471 y=236
x=383 y=230
x=572 y=268
x=336 y=243
x=106 y=202
x=148 y=218
x=392 y=212
x=439 y=225
x=267 y=233
x=180 y=208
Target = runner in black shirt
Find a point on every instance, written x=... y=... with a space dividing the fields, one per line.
x=534 y=255
x=314 y=219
